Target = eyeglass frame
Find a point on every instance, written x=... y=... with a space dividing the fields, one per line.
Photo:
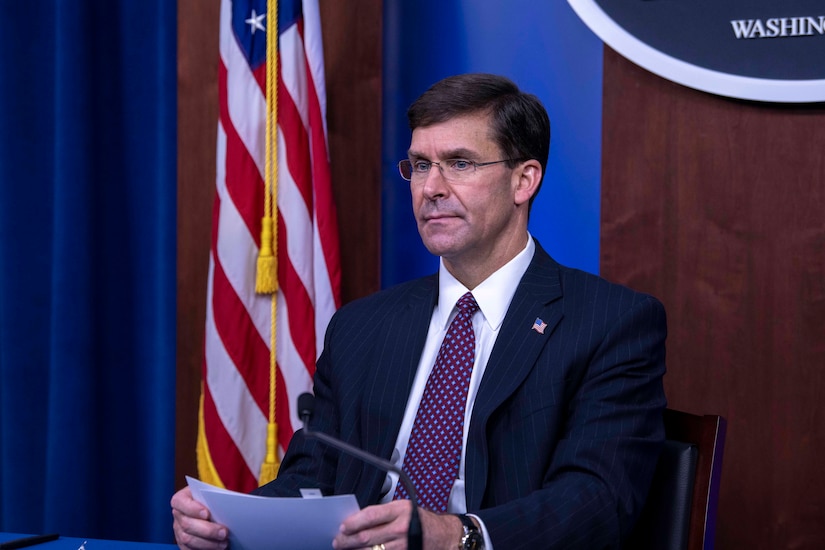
x=476 y=166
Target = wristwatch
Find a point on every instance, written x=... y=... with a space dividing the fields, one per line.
x=472 y=538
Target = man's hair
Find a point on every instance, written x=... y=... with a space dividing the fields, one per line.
x=519 y=122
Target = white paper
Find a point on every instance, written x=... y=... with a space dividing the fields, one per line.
x=267 y=523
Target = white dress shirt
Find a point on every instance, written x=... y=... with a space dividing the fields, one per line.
x=493 y=296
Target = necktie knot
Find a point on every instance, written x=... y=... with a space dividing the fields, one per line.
x=467 y=304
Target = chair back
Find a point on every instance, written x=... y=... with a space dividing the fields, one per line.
x=680 y=511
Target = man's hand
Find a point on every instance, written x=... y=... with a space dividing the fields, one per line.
x=192 y=524
x=387 y=524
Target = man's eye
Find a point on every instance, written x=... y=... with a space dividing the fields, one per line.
x=461 y=164
x=421 y=166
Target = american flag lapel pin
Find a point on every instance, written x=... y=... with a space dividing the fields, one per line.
x=539 y=325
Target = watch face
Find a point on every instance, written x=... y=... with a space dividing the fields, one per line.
x=472 y=541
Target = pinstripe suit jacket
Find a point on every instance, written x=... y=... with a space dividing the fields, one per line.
x=567 y=425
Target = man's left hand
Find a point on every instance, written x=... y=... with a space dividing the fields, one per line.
x=387 y=524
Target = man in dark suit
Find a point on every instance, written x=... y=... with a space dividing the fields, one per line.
x=560 y=400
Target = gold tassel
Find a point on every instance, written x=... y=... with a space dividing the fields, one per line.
x=271 y=465
x=266 y=278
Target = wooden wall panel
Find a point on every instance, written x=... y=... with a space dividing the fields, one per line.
x=352 y=47
x=197 y=134
x=717 y=207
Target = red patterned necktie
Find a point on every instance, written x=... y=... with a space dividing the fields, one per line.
x=434 y=450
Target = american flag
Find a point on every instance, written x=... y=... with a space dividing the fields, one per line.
x=539 y=325
x=234 y=412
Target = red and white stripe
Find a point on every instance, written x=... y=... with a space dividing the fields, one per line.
x=236 y=366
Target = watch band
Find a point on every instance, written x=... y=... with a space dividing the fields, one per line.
x=468 y=523
x=472 y=538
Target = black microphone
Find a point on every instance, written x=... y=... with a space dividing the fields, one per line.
x=306 y=406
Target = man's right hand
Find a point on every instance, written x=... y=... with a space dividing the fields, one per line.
x=193 y=526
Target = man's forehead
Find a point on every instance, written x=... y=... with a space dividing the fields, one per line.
x=461 y=136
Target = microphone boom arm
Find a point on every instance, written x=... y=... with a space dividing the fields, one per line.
x=306 y=406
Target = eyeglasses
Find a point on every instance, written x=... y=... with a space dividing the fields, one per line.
x=451 y=169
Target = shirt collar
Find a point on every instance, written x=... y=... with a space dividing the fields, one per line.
x=493 y=295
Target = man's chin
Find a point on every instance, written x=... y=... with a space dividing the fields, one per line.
x=439 y=247
x=441 y=237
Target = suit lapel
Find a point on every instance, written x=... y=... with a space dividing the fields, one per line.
x=407 y=333
x=513 y=357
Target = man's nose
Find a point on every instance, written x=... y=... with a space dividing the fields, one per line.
x=435 y=183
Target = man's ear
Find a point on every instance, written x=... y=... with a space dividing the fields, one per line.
x=528 y=176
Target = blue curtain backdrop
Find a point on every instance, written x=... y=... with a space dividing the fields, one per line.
x=547 y=50
x=87 y=267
